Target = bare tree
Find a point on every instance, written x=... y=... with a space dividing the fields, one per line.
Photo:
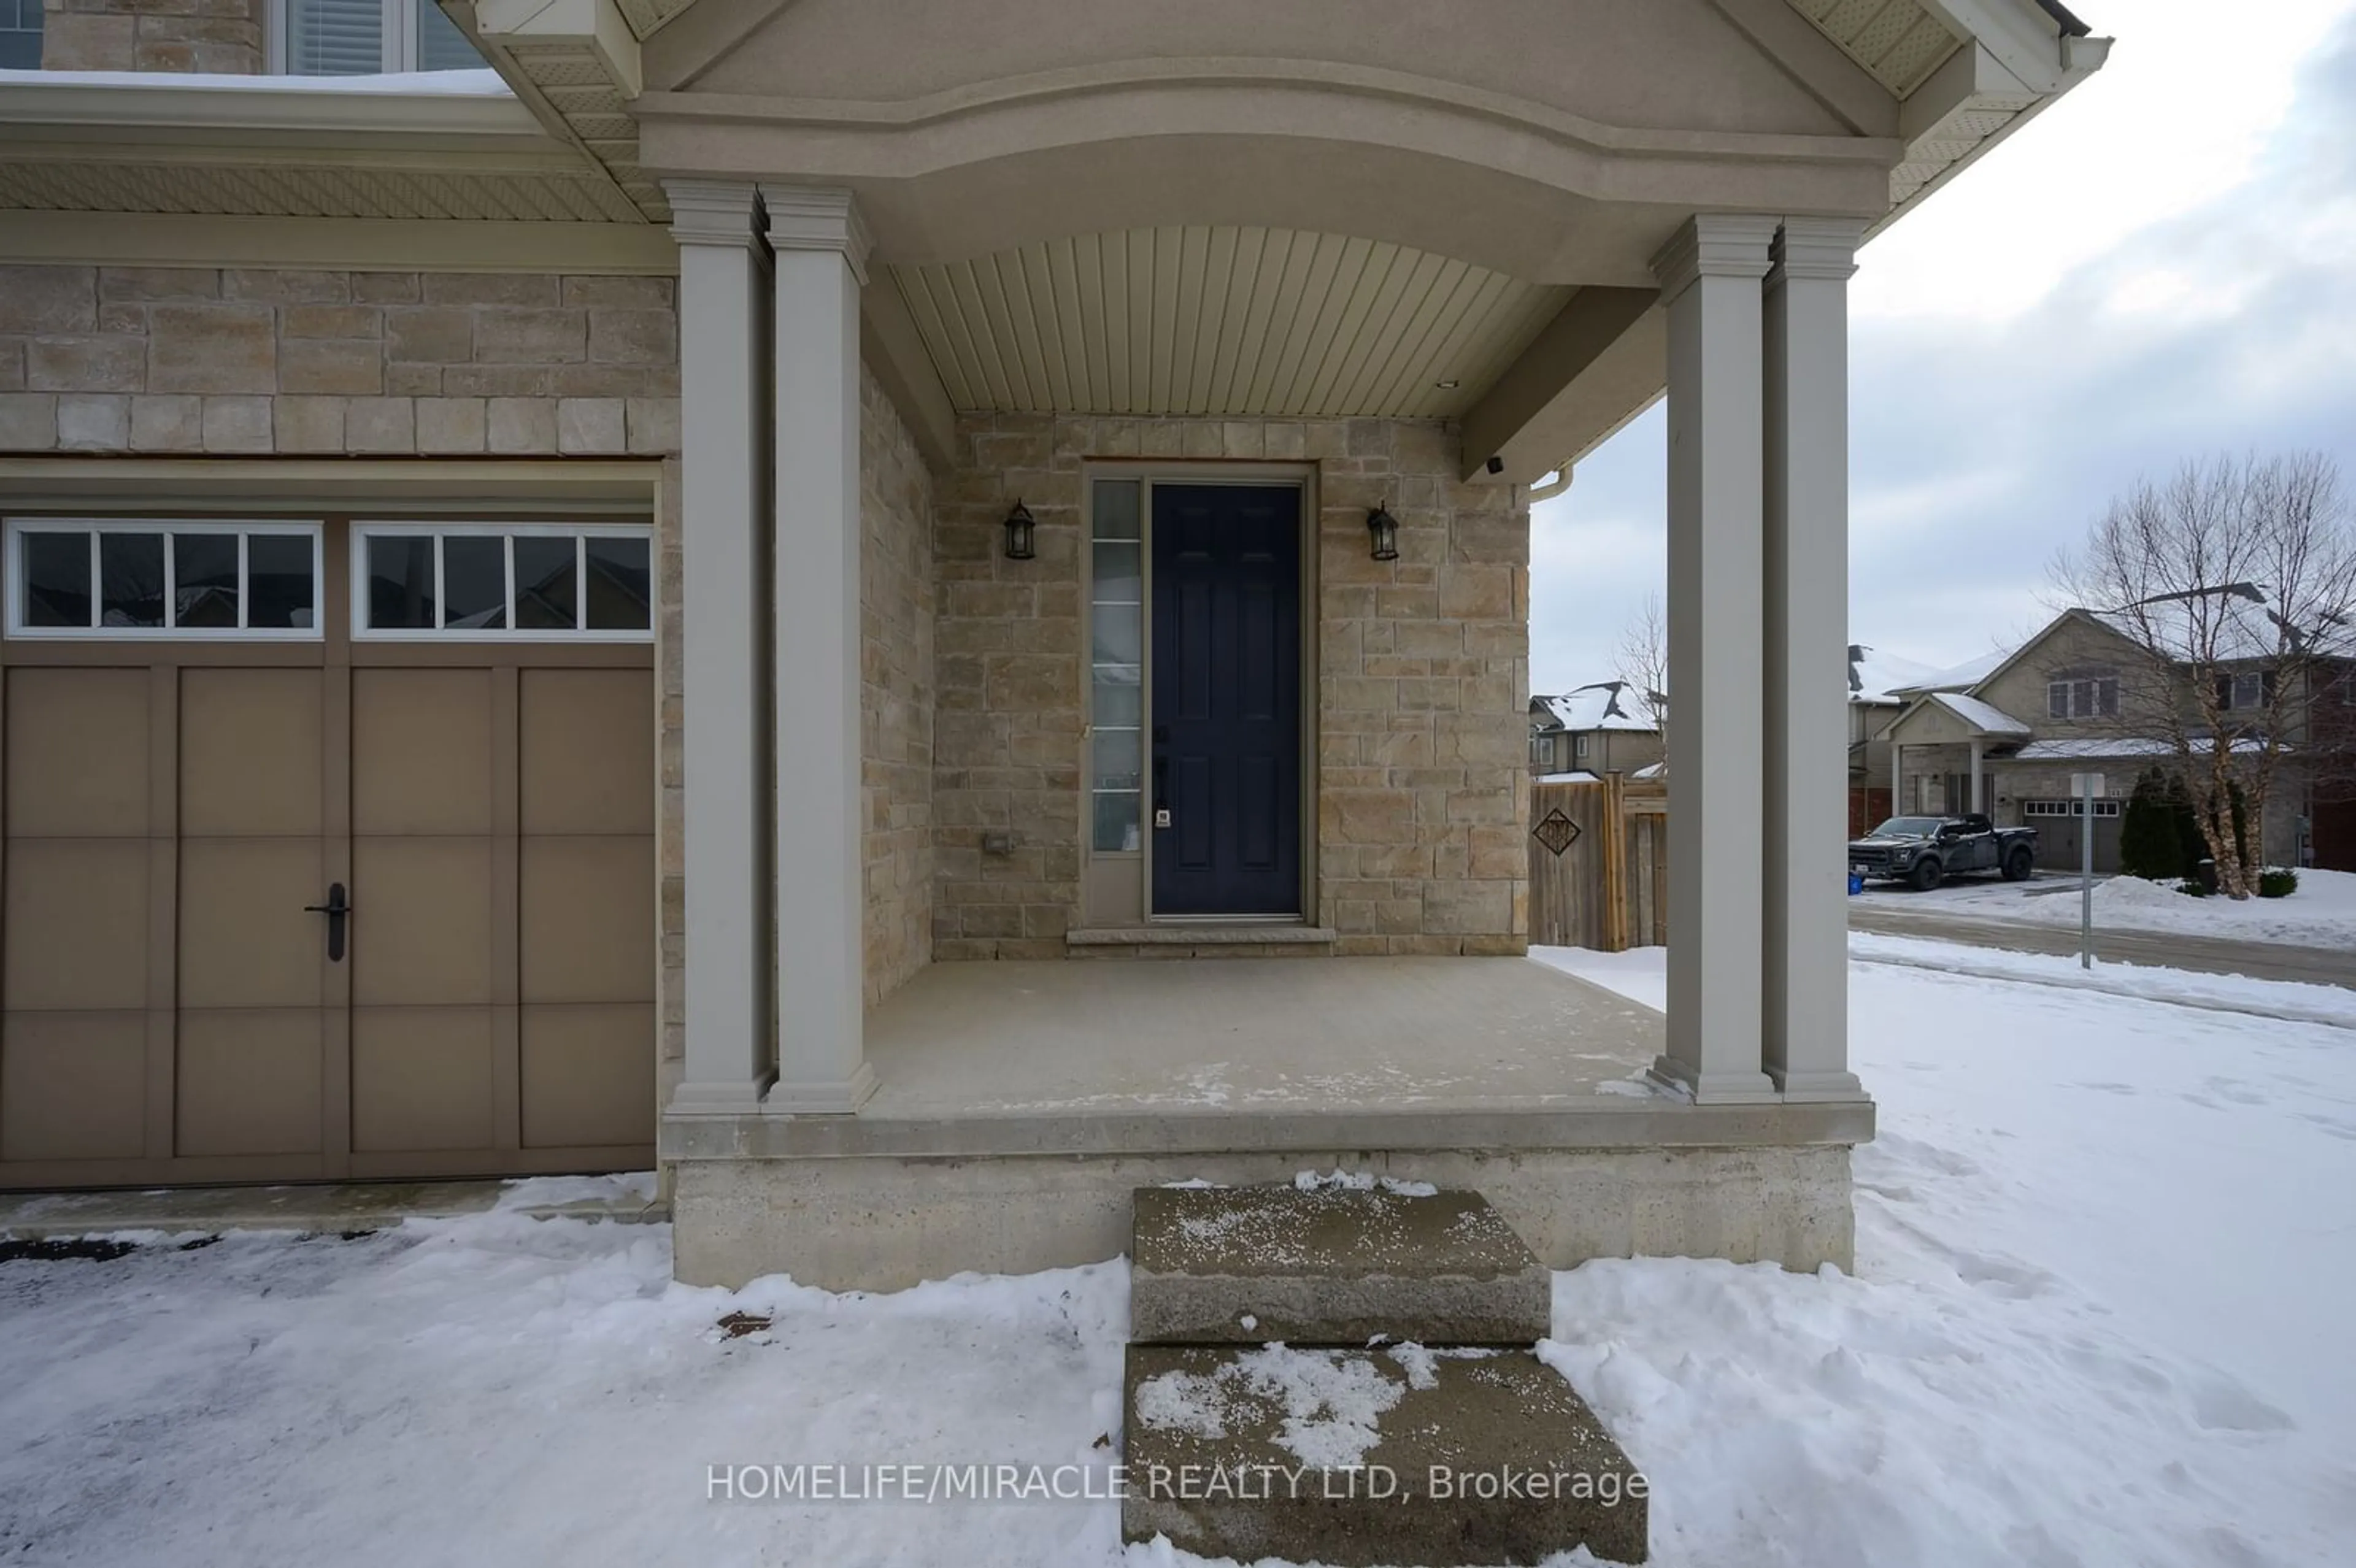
x=1644 y=667
x=2236 y=581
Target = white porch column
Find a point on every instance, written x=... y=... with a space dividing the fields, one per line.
x=722 y=306
x=1709 y=276
x=1804 y=1041
x=820 y=258
x=1978 y=804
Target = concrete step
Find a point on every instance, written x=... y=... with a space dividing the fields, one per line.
x=1400 y=1456
x=1330 y=1265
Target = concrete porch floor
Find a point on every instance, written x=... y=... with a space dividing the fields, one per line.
x=1355 y=1035
x=1019 y=1103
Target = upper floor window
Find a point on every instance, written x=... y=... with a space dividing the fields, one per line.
x=80 y=578
x=2091 y=699
x=1579 y=748
x=2245 y=690
x=20 y=35
x=365 y=37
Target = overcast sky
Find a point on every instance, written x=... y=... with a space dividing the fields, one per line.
x=2162 y=265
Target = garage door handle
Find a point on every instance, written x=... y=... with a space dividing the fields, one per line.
x=335 y=908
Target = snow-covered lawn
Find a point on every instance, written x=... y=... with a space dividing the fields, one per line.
x=2321 y=913
x=2106 y=1251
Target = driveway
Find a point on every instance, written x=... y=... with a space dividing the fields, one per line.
x=2175 y=950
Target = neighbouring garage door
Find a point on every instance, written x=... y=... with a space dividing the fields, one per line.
x=2059 y=846
x=209 y=758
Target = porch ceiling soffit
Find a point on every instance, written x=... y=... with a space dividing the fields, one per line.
x=1221 y=320
x=72 y=145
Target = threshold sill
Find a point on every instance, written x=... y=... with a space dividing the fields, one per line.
x=1199 y=936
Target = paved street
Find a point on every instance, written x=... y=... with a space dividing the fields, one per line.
x=2204 y=955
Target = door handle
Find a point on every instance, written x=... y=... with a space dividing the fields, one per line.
x=335 y=909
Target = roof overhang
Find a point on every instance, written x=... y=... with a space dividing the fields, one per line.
x=1505 y=237
x=232 y=171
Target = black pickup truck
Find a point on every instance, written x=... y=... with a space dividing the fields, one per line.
x=1926 y=850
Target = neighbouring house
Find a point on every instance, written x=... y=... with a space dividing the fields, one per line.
x=1874 y=677
x=671 y=599
x=1593 y=729
x=2006 y=735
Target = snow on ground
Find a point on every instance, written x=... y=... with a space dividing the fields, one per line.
x=2321 y=913
x=2105 y=1246
x=2280 y=999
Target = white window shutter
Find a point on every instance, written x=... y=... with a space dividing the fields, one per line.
x=335 y=37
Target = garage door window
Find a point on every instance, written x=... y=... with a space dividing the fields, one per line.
x=545 y=583
x=80 y=578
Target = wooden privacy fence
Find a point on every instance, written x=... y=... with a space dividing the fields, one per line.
x=1599 y=864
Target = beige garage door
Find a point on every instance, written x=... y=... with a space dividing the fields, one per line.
x=472 y=777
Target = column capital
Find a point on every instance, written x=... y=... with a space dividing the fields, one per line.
x=816 y=217
x=714 y=212
x=1713 y=245
x=1817 y=248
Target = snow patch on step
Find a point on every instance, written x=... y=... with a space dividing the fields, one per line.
x=1362 y=1181
x=1333 y=1400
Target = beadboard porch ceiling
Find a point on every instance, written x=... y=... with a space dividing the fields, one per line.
x=1221 y=320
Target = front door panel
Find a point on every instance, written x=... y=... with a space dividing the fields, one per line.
x=1226 y=699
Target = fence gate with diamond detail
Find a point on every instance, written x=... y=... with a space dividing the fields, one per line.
x=1598 y=864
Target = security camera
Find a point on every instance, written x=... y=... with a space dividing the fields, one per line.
x=1496 y=464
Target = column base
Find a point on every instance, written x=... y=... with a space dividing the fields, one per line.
x=731 y=1099
x=837 y=1098
x=1819 y=1087
x=1714 y=1089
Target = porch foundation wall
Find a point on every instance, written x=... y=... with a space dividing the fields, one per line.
x=885 y=1223
x=1422 y=674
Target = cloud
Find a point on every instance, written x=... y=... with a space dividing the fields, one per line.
x=1991 y=423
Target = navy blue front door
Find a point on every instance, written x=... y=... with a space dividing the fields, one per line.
x=1226 y=699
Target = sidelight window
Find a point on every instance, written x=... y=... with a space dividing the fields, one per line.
x=1116 y=665
x=150 y=579
x=486 y=583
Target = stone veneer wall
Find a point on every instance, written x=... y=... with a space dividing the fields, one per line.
x=235 y=362
x=895 y=651
x=1422 y=669
x=216 y=37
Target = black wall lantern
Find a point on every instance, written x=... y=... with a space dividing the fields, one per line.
x=1019 y=526
x=1383 y=528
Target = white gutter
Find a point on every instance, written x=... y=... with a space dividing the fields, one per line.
x=124 y=104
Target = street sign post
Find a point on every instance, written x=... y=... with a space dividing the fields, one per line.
x=2085 y=786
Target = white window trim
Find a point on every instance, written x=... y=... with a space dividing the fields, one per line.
x=398 y=35
x=242 y=527
x=2102 y=808
x=580 y=533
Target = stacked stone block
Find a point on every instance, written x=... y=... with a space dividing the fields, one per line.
x=895 y=626
x=222 y=38
x=232 y=362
